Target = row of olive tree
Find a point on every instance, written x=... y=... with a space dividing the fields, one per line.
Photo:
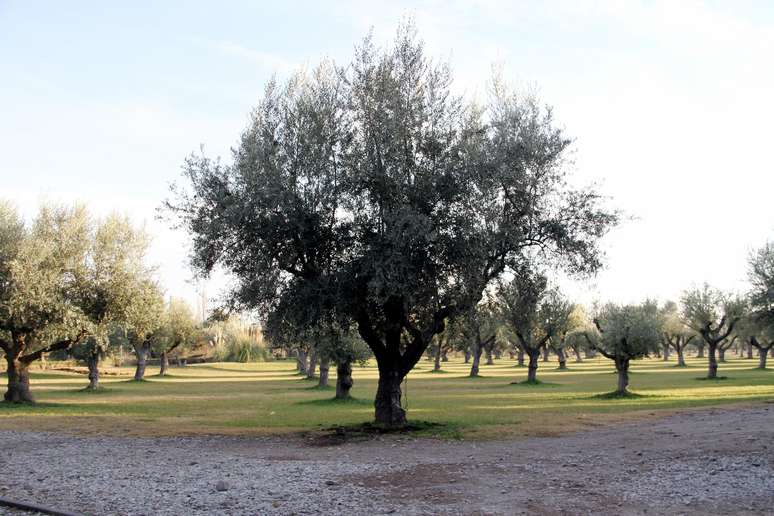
x=68 y=282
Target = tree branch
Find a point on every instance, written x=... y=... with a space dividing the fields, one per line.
x=57 y=346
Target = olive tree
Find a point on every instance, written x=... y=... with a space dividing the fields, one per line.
x=625 y=333
x=39 y=287
x=477 y=326
x=406 y=199
x=712 y=314
x=115 y=264
x=760 y=274
x=144 y=318
x=535 y=312
x=674 y=332
x=178 y=328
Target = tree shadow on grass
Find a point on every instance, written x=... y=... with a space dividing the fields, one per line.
x=716 y=379
x=338 y=435
x=318 y=388
x=615 y=395
x=534 y=383
x=326 y=402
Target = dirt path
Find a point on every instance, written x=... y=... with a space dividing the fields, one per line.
x=718 y=461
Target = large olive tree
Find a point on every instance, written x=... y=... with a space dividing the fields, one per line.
x=712 y=314
x=535 y=311
x=40 y=309
x=625 y=333
x=405 y=198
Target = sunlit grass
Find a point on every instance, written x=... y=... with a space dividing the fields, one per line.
x=271 y=398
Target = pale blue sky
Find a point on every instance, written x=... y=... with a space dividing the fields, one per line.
x=671 y=104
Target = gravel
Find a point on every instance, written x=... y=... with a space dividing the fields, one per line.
x=717 y=461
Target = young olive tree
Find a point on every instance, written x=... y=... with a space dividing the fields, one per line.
x=535 y=312
x=625 y=333
x=712 y=314
x=406 y=199
x=39 y=287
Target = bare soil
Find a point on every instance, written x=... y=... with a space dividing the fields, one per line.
x=715 y=461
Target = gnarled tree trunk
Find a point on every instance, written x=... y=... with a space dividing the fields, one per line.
x=546 y=354
x=561 y=357
x=534 y=356
x=721 y=354
x=324 y=371
x=681 y=357
x=141 y=352
x=301 y=364
x=622 y=367
x=749 y=351
x=762 y=354
x=700 y=352
x=18 y=381
x=312 y=365
x=343 y=380
x=712 y=369
x=163 y=363
x=477 y=350
x=387 y=403
x=576 y=350
x=666 y=352
x=93 y=362
x=520 y=357
x=467 y=356
x=489 y=357
x=437 y=362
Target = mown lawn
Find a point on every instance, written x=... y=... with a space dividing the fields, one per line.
x=261 y=398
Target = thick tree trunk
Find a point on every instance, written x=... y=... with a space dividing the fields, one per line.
x=721 y=355
x=749 y=351
x=477 y=350
x=324 y=371
x=546 y=353
x=163 y=363
x=622 y=366
x=389 y=413
x=700 y=352
x=444 y=356
x=312 y=365
x=343 y=380
x=681 y=357
x=301 y=364
x=576 y=350
x=712 y=369
x=762 y=354
x=467 y=356
x=666 y=353
x=520 y=357
x=93 y=362
x=18 y=381
x=498 y=355
x=534 y=355
x=489 y=357
x=562 y=358
x=141 y=352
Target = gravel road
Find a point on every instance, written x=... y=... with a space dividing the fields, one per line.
x=716 y=461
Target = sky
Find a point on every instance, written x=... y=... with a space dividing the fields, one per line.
x=670 y=105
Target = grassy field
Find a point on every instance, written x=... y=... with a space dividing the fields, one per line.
x=266 y=398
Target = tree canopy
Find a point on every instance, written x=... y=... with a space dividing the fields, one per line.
x=377 y=187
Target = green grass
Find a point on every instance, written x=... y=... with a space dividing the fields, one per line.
x=261 y=398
